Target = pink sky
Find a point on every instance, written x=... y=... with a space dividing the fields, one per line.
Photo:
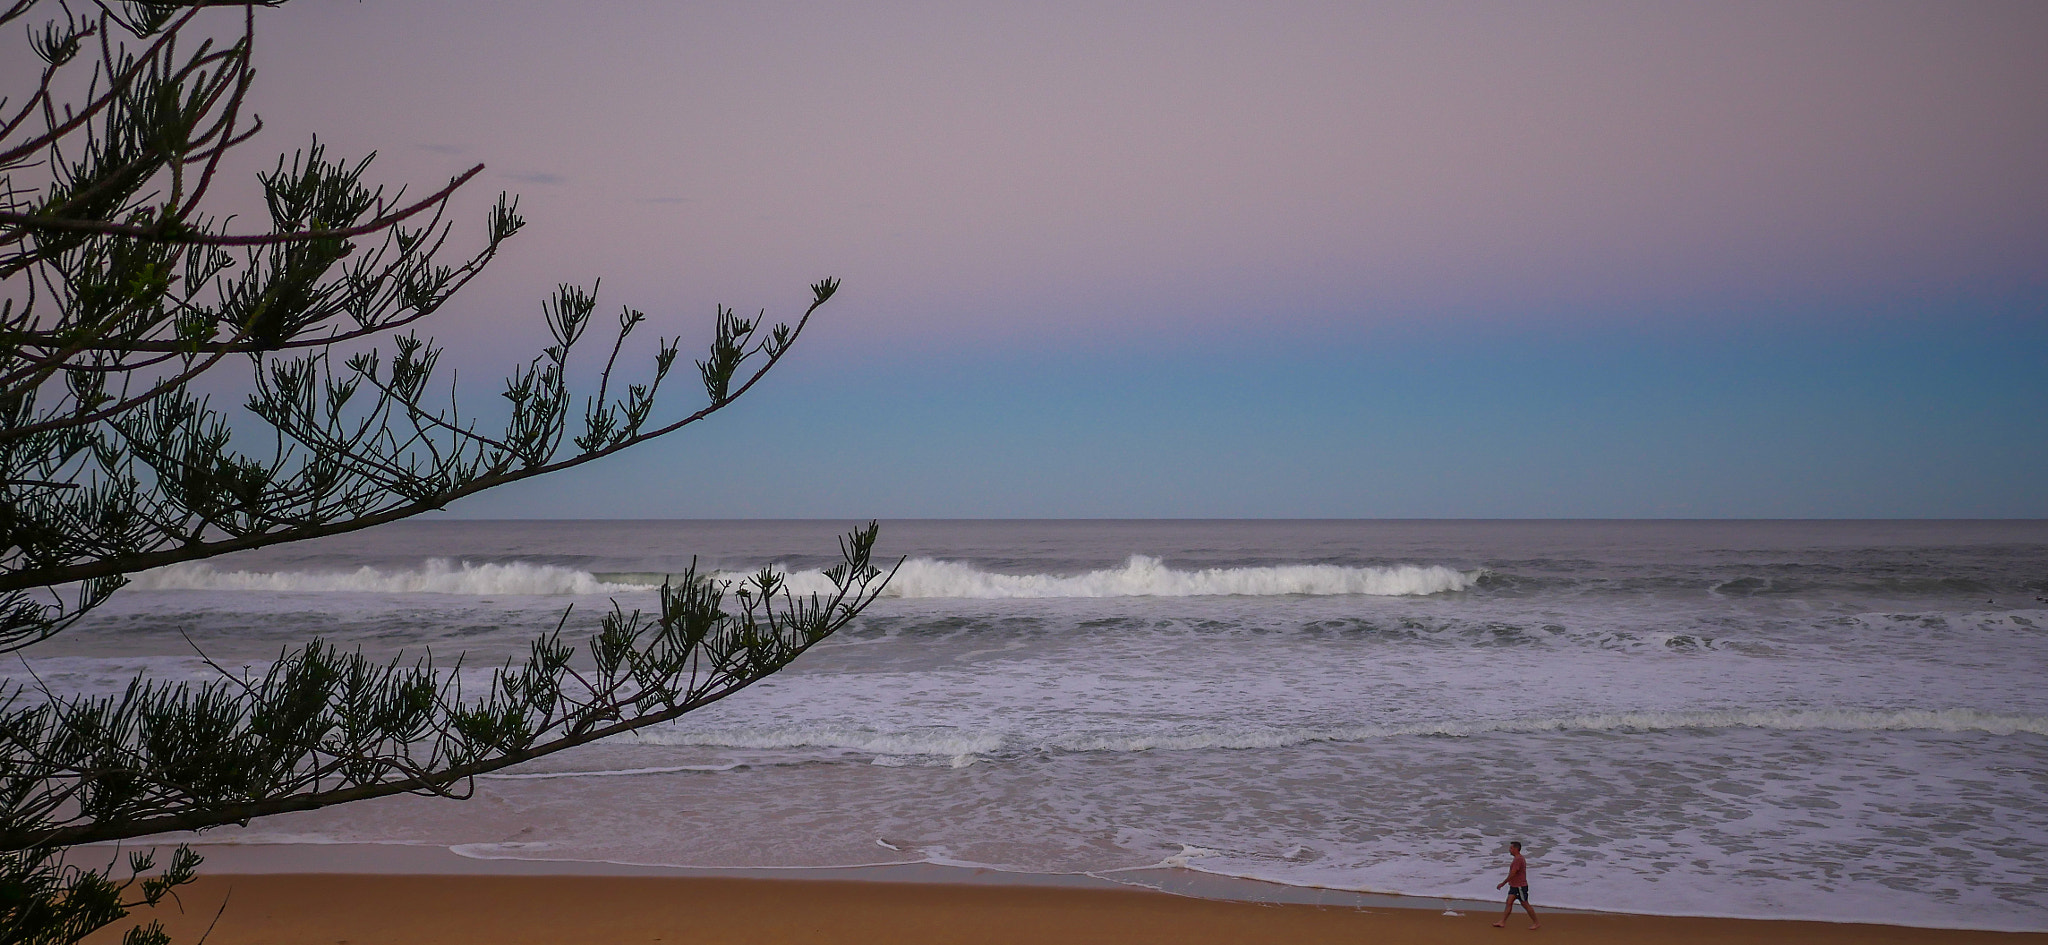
x=1047 y=171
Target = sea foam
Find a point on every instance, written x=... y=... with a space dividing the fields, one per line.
x=1143 y=576
x=1140 y=576
x=435 y=576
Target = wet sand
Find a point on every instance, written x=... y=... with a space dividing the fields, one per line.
x=356 y=909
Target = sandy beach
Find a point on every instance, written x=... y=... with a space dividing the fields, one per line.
x=350 y=909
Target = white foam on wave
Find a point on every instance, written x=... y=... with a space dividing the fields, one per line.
x=435 y=576
x=1832 y=720
x=1141 y=576
x=1144 y=576
x=609 y=772
x=888 y=748
x=958 y=747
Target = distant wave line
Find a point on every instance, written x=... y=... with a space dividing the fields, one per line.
x=435 y=576
x=1139 y=576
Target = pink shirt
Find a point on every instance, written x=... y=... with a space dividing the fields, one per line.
x=1518 y=872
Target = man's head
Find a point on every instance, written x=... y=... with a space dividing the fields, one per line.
x=1514 y=846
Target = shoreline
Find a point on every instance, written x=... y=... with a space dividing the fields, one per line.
x=397 y=859
x=288 y=879
x=234 y=909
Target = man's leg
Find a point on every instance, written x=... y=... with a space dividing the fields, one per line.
x=1506 y=913
x=1526 y=907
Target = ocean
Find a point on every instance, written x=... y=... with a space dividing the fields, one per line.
x=1826 y=720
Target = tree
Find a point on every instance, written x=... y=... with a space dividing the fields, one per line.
x=121 y=293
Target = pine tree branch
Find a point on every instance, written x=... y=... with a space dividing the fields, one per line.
x=170 y=232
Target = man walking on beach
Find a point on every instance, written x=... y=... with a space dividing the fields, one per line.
x=1518 y=887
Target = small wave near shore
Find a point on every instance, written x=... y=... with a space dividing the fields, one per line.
x=963 y=746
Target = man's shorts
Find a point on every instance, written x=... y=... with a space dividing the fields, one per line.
x=1519 y=892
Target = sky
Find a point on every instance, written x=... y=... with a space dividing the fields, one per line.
x=1778 y=259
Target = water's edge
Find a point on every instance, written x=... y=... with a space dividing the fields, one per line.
x=233 y=859
x=399 y=859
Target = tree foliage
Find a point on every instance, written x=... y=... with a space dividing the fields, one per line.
x=122 y=292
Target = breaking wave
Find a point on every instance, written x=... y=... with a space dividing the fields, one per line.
x=1143 y=576
x=1140 y=576
x=436 y=576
